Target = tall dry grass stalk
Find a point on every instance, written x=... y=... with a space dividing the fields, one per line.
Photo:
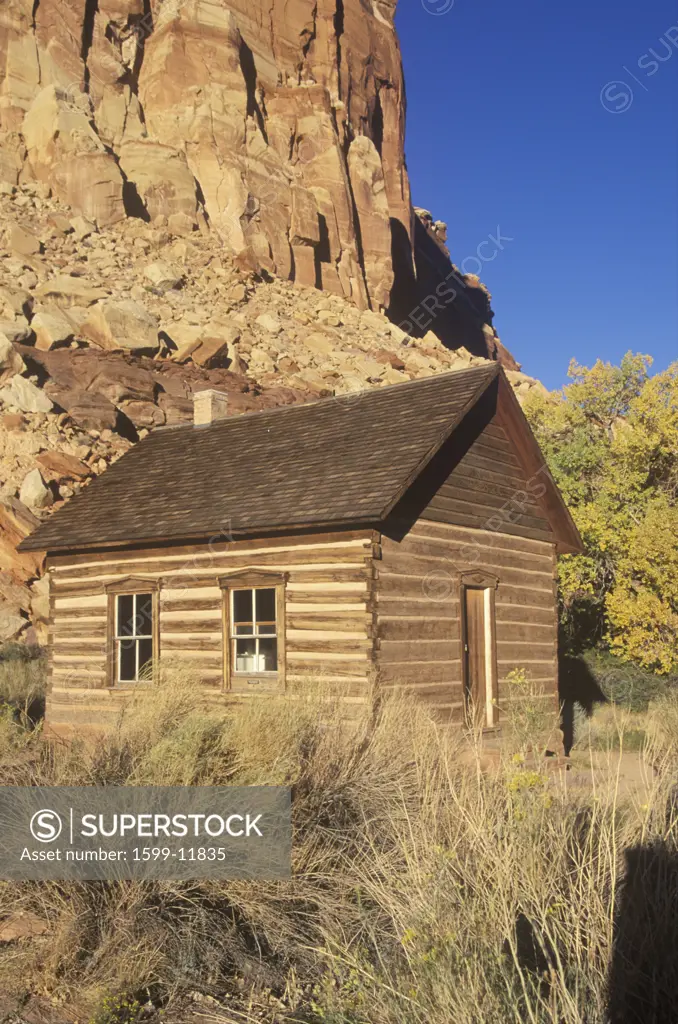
x=425 y=888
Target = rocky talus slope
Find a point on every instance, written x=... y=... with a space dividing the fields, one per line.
x=105 y=334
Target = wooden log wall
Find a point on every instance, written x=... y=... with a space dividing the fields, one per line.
x=328 y=614
x=488 y=488
x=418 y=612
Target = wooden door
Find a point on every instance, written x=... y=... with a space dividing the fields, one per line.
x=475 y=654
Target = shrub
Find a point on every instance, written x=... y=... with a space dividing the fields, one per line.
x=23 y=673
x=528 y=714
x=625 y=683
x=119 y=1009
x=425 y=888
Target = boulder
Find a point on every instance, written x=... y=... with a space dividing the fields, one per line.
x=82 y=228
x=51 y=329
x=185 y=337
x=176 y=410
x=60 y=223
x=11 y=362
x=15 y=330
x=163 y=181
x=18 y=301
x=382 y=355
x=16 y=522
x=393 y=376
x=123 y=383
x=207 y=346
x=374 y=321
x=260 y=362
x=92 y=412
x=211 y=351
x=70 y=291
x=11 y=625
x=33 y=492
x=13 y=421
x=326 y=316
x=124 y=324
x=24 y=242
x=319 y=343
x=163 y=277
x=18 y=595
x=56 y=465
x=181 y=224
x=22 y=394
x=143 y=414
x=269 y=323
x=367 y=367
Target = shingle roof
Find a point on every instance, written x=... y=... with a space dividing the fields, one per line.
x=339 y=460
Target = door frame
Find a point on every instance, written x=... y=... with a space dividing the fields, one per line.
x=477 y=579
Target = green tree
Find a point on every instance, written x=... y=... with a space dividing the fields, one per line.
x=611 y=441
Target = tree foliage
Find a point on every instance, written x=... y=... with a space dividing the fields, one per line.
x=611 y=441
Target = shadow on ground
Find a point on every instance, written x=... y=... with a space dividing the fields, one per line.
x=576 y=685
x=644 y=969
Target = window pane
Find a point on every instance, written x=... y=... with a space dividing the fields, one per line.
x=245 y=655
x=268 y=655
x=144 y=616
x=126 y=615
x=127 y=660
x=241 y=630
x=242 y=606
x=145 y=658
x=266 y=608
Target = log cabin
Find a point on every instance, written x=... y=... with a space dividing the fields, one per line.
x=404 y=536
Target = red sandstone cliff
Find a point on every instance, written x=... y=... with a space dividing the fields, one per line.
x=280 y=124
x=278 y=127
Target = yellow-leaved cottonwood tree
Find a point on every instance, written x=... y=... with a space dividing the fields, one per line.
x=611 y=441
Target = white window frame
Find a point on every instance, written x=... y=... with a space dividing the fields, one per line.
x=256 y=636
x=118 y=638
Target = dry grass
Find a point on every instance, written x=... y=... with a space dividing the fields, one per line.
x=425 y=889
x=22 y=676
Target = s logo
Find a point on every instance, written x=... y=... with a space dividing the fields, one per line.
x=46 y=826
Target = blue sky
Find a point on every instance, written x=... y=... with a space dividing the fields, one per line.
x=508 y=127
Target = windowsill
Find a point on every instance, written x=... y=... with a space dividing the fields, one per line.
x=255 y=675
x=256 y=682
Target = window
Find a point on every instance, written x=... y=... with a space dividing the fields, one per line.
x=254 y=640
x=254 y=630
x=133 y=636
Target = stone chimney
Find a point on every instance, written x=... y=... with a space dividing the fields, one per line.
x=209 y=406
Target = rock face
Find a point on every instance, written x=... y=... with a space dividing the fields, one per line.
x=277 y=126
x=280 y=124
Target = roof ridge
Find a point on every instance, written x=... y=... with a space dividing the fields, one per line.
x=490 y=365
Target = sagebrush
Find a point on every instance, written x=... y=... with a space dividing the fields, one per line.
x=433 y=880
